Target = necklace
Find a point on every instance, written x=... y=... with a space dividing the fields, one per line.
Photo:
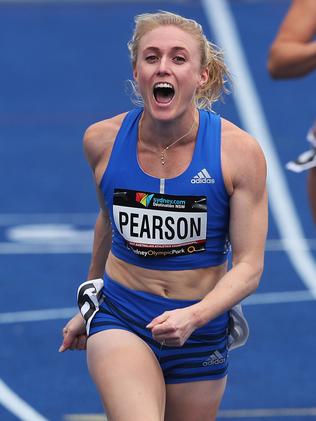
x=163 y=152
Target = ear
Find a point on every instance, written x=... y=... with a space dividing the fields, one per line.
x=135 y=73
x=203 y=77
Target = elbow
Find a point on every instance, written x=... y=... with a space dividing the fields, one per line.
x=249 y=271
x=256 y=277
x=276 y=64
x=274 y=68
x=273 y=71
x=253 y=273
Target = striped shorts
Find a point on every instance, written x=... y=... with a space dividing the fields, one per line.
x=204 y=356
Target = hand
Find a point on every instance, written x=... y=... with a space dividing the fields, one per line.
x=173 y=328
x=74 y=333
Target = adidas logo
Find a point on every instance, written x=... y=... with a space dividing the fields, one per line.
x=202 y=177
x=214 y=359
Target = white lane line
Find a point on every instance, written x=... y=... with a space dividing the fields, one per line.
x=85 y=417
x=225 y=413
x=32 y=2
x=38 y=315
x=48 y=248
x=273 y=244
x=62 y=234
x=267 y=413
x=252 y=116
x=67 y=312
x=279 y=297
x=13 y=403
x=41 y=218
x=85 y=247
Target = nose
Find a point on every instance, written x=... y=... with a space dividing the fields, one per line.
x=163 y=67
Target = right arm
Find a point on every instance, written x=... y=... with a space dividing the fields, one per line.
x=293 y=52
x=74 y=332
x=102 y=241
x=96 y=149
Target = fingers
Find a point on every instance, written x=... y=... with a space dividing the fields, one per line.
x=169 y=342
x=171 y=328
x=82 y=343
x=74 y=334
x=158 y=320
x=166 y=334
x=169 y=337
x=161 y=330
x=165 y=328
x=62 y=348
x=67 y=341
x=72 y=340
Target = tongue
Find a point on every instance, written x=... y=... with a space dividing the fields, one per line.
x=163 y=96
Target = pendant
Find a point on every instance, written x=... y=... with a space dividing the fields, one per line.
x=162 y=157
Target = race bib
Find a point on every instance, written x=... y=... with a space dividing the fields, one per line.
x=160 y=225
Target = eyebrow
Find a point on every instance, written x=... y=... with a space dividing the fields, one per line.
x=176 y=48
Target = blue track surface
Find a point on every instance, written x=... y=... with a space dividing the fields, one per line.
x=63 y=67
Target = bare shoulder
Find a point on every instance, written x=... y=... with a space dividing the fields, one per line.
x=99 y=138
x=243 y=160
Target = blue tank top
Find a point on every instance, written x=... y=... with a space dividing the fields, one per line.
x=168 y=224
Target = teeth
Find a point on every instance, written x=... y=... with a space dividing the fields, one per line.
x=163 y=85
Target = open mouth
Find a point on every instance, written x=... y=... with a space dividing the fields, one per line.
x=163 y=92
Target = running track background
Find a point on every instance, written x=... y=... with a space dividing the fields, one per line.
x=62 y=67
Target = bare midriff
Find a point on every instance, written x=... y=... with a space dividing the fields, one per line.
x=192 y=284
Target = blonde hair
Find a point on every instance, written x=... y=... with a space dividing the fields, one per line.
x=211 y=57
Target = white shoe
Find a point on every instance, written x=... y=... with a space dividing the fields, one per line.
x=303 y=162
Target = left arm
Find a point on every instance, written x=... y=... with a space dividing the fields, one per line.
x=248 y=228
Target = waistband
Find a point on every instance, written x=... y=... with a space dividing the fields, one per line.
x=148 y=305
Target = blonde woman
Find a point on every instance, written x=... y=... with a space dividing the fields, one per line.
x=177 y=185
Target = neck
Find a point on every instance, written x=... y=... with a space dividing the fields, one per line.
x=161 y=135
x=187 y=136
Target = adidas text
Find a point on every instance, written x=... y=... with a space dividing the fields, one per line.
x=203 y=177
x=214 y=359
x=202 y=180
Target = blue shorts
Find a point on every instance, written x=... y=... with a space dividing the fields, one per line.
x=204 y=356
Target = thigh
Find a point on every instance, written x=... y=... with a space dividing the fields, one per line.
x=127 y=375
x=194 y=401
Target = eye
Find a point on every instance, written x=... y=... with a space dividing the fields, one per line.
x=179 y=59
x=151 y=58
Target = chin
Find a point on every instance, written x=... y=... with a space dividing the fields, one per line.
x=162 y=113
